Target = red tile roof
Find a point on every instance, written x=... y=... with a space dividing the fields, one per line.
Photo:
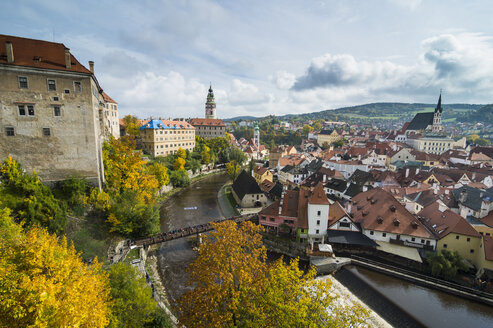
x=207 y=122
x=38 y=54
x=318 y=196
x=108 y=98
x=446 y=222
x=378 y=210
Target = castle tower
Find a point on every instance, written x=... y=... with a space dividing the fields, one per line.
x=437 y=117
x=210 y=105
x=256 y=136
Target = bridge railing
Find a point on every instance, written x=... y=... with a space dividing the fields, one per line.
x=185 y=232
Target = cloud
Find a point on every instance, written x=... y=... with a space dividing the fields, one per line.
x=457 y=63
x=245 y=94
x=283 y=80
x=409 y=4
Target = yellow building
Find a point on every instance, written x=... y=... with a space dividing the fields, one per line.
x=328 y=136
x=262 y=173
x=455 y=233
x=162 y=137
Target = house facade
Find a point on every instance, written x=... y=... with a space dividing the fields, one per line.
x=163 y=137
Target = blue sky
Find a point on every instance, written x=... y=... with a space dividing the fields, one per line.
x=269 y=57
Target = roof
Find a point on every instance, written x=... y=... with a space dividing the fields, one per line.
x=107 y=98
x=421 y=121
x=361 y=177
x=336 y=212
x=245 y=184
x=38 y=54
x=424 y=198
x=377 y=209
x=165 y=124
x=261 y=170
x=446 y=222
x=473 y=197
x=318 y=196
x=326 y=132
x=337 y=185
x=207 y=122
x=488 y=219
x=349 y=238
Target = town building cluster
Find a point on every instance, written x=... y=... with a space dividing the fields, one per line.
x=404 y=193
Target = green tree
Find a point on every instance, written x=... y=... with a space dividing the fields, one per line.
x=339 y=143
x=307 y=129
x=179 y=178
x=237 y=155
x=181 y=153
x=31 y=202
x=445 y=263
x=131 y=217
x=317 y=126
x=133 y=303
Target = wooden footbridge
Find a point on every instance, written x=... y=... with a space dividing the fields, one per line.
x=185 y=232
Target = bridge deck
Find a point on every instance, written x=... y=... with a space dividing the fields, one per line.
x=185 y=232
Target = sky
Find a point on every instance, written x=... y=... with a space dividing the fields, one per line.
x=157 y=58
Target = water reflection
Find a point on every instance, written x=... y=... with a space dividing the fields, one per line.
x=433 y=308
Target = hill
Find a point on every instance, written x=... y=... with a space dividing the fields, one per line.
x=377 y=111
x=483 y=115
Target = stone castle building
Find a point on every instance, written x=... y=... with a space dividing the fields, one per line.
x=52 y=110
x=163 y=137
x=209 y=127
x=111 y=117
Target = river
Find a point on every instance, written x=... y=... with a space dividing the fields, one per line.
x=399 y=302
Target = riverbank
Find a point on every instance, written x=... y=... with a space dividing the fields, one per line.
x=347 y=299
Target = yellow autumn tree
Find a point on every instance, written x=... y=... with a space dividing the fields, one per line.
x=44 y=283
x=181 y=153
x=160 y=172
x=234 y=286
x=179 y=164
x=125 y=170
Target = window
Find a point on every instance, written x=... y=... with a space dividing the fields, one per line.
x=345 y=225
x=371 y=233
x=57 y=111
x=77 y=87
x=22 y=110
x=23 y=82
x=444 y=245
x=468 y=239
x=46 y=132
x=318 y=222
x=471 y=251
x=9 y=131
x=318 y=213
x=66 y=91
x=413 y=239
x=51 y=85
x=263 y=217
x=272 y=219
x=30 y=110
x=384 y=234
x=457 y=237
x=316 y=231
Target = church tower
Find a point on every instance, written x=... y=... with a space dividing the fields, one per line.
x=210 y=105
x=256 y=136
x=437 y=117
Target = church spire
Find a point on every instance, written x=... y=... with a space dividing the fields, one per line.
x=439 y=105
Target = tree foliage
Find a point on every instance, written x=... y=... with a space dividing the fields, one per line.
x=234 y=286
x=179 y=164
x=31 y=202
x=179 y=178
x=237 y=155
x=160 y=172
x=233 y=169
x=133 y=305
x=445 y=263
x=44 y=283
x=132 y=125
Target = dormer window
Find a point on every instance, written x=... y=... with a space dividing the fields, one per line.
x=392 y=208
x=396 y=222
x=379 y=220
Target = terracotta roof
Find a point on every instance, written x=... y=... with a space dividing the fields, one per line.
x=336 y=212
x=260 y=170
x=488 y=247
x=207 y=122
x=318 y=196
x=266 y=185
x=488 y=219
x=446 y=222
x=378 y=210
x=290 y=160
x=38 y=54
x=108 y=98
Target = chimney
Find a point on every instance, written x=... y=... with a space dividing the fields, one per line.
x=91 y=66
x=417 y=170
x=10 y=52
x=68 y=63
x=407 y=172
